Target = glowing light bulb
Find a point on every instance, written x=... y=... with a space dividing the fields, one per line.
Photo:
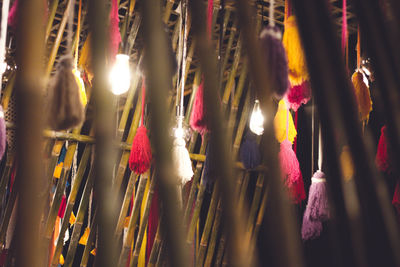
x=257 y=119
x=120 y=75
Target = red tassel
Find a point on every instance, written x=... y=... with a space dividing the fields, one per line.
x=396 y=199
x=140 y=157
x=382 y=158
x=290 y=171
x=198 y=117
x=63 y=206
x=115 y=35
x=298 y=95
x=12 y=15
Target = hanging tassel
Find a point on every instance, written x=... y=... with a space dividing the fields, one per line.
x=115 y=35
x=182 y=162
x=198 y=120
x=65 y=109
x=294 y=49
x=3 y=135
x=61 y=261
x=280 y=124
x=382 y=158
x=250 y=152
x=140 y=157
x=276 y=58
x=290 y=170
x=310 y=229
x=298 y=95
x=317 y=198
x=362 y=94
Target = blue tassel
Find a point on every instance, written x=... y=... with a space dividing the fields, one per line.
x=249 y=151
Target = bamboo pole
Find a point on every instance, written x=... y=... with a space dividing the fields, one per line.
x=83 y=206
x=256 y=202
x=103 y=122
x=156 y=246
x=6 y=175
x=127 y=242
x=208 y=224
x=88 y=246
x=218 y=142
x=158 y=68
x=71 y=202
x=143 y=224
x=29 y=88
x=52 y=14
x=57 y=41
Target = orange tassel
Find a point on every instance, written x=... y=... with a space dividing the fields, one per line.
x=84 y=237
x=363 y=96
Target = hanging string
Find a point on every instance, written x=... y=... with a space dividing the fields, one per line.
x=3 y=37
x=319 y=149
x=358 y=48
x=78 y=31
x=271 y=13
x=143 y=100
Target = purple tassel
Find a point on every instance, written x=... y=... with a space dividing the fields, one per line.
x=3 y=136
x=317 y=210
x=275 y=56
x=250 y=152
x=310 y=229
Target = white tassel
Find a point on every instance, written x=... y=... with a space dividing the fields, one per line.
x=182 y=162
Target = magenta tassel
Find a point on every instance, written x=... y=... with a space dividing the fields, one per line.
x=298 y=95
x=198 y=120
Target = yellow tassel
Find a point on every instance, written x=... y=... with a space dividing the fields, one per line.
x=280 y=123
x=61 y=261
x=84 y=237
x=86 y=58
x=93 y=252
x=57 y=170
x=363 y=96
x=347 y=164
x=81 y=85
x=296 y=60
x=72 y=219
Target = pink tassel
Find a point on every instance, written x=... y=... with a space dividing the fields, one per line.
x=290 y=170
x=115 y=35
x=198 y=117
x=382 y=159
x=140 y=157
x=298 y=95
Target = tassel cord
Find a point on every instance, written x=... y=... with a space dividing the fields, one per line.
x=184 y=52
x=319 y=149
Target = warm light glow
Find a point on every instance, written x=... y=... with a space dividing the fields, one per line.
x=257 y=120
x=179 y=133
x=120 y=75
